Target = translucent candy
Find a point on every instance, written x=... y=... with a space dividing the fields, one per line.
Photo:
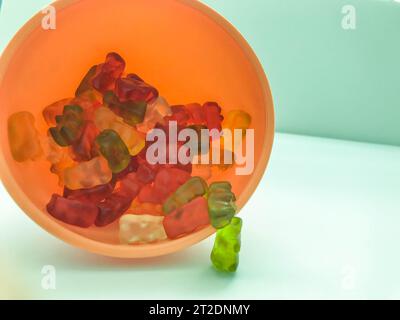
x=213 y=115
x=145 y=208
x=187 y=219
x=93 y=195
x=112 y=208
x=197 y=114
x=85 y=148
x=113 y=148
x=237 y=119
x=104 y=117
x=89 y=102
x=53 y=110
x=23 y=137
x=221 y=204
x=193 y=188
x=130 y=185
x=63 y=163
x=133 y=88
x=86 y=83
x=87 y=174
x=155 y=113
x=107 y=73
x=131 y=112
x=134 y=140
x=69 y=125
x=166 y=182
x=179 y=114
x=141 y=229
x=225 y=254
x=74 y=212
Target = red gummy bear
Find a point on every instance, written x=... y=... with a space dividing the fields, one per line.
x=93 y=195
x=166 y=182
x=187 y=219
x=213 y=115
x=130 y=185
x=112 y=208
x=179 y=114
x=133 y=88
x=146 y=172
x=197 y=115
x=73 y=212
x=108 y=72
x=149 y=195
x=85 y=148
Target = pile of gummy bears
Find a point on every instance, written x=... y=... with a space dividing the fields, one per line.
x=96 y=145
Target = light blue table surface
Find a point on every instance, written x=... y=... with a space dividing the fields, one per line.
x=323 y=224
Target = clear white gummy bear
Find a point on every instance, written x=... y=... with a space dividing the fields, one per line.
x=141 y=229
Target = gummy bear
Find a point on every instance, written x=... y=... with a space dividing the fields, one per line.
x=112 y=208
x=88 y=103
x=85 y=148
x=107 y=73
x=225 y=253
x=237 y=119
x=132 y=138
x=221 y=204
x=52 y=111
x=187 y=219
x=93 y=195
x=69 y=125
x=59 y=166
x=104 y=117
x=197 y=115
x=114 y=150
x=87 y=174
x=166 y=182
x=193 y=188
x=130 y=185
x=131 y=112
x=133 y=88
x=86 y=83
x=146 y=208
x=213 y=115
x=179 y=114
x=23 y=137
x=141 y=229
x=74 y=212
x=155 y=113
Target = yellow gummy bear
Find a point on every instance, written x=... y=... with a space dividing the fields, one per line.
x=87 y=174
x=237 y=119
x=23 y=137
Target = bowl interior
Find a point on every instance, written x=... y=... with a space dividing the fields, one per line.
x=181 y=47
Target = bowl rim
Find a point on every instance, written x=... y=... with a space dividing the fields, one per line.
x=58 y=230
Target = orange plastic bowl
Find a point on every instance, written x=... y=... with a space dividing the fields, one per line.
x=182 y=47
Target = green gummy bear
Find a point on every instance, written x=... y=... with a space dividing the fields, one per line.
x=132 y=112
x=114 y=150
x=69 y=125
x=225 y=253
x=86 y=84
x=221 y=204
x=193 y=188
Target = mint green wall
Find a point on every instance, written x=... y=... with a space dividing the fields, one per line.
x=325 y=81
